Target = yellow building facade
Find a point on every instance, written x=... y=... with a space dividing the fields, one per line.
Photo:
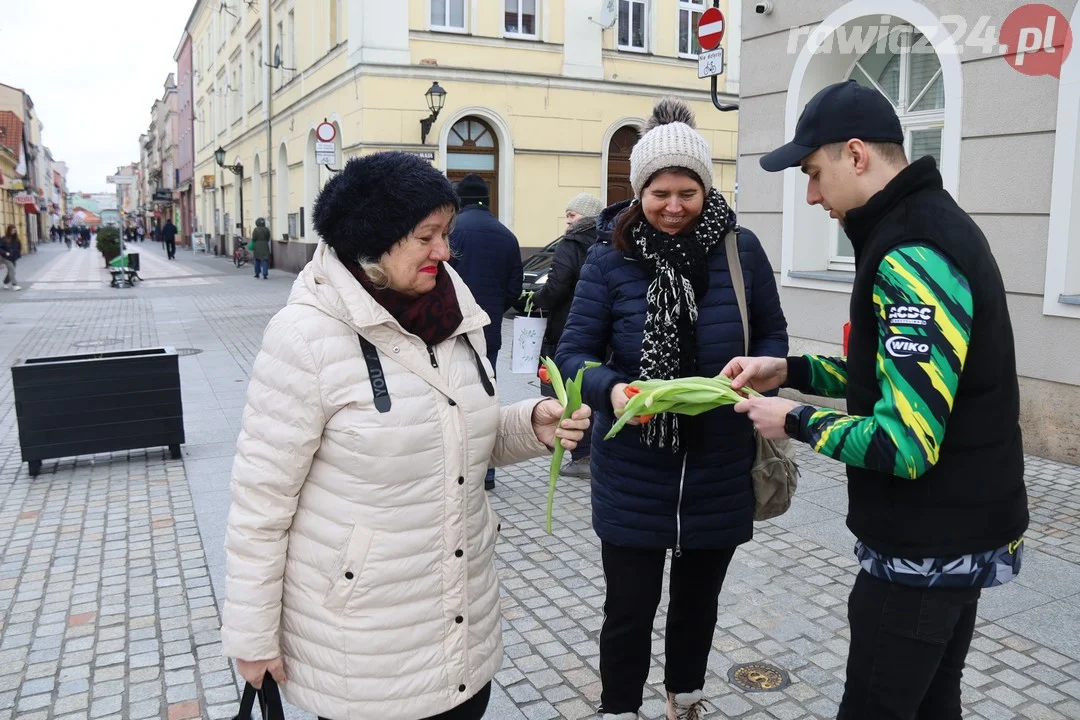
x=541 y=99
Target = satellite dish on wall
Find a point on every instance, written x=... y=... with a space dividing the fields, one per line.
x=609 y=14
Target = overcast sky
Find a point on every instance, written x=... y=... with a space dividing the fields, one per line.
x=93 y=69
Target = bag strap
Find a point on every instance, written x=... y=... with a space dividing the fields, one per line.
x=375 y=375
x=731 y=242
x=269 y=701
x=484 y=379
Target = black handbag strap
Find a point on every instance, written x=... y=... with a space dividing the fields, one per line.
x=269 y=701
x=484 y=379
x=376 y=375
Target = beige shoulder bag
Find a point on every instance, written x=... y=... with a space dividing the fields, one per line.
x=775 y=474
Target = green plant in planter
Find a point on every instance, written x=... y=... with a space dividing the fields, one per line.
x=108 y=243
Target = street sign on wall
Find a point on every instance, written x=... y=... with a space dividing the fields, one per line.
x=120 y=179
x=711 y=29
x=710 y=63
x=325 y=153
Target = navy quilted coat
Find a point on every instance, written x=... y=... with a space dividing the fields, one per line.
x=636 y=489
x=488 y=258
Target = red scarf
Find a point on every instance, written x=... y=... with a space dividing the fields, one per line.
x=432 y=317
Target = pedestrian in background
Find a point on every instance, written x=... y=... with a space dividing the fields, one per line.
x=10 y=252
x=656 y=301
x=557 y=293
x=487 y=256
x=168 y=236
x=260 y=247
x=931 y=436
x=360 y=547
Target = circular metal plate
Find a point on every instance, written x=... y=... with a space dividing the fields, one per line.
x=758 y=677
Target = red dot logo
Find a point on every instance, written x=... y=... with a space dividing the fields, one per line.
x=1037 y=39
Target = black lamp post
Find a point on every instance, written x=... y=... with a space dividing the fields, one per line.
x=436 y=98
x=237 y=169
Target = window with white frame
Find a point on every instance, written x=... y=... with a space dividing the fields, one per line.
x=253 y=79
x=689 y=14
x=448 y=15
x=292 y=39
x=220 y=100
x=520 y=18
x=633 y=24
x=200 y=124
x=281 y=43
x=908 y=73
x=234 y=90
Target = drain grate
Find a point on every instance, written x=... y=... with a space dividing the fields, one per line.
x=188 y=351
x=758 y=677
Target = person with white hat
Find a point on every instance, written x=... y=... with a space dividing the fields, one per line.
x=656 y=301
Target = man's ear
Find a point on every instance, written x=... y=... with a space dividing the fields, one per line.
x=860 y=155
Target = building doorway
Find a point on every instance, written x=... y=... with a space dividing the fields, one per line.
x=618 y=166
x=472 y=147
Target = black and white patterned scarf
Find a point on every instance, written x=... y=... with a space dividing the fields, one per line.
x=680 y=276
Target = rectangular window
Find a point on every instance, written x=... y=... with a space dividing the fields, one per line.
x=448 y=15
x=235 y=95
x=274 y=60
x=632 y=25
x=520 y=18
x=689 y=15
x=292 y=39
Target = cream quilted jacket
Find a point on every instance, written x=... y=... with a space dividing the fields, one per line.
x=360 y=543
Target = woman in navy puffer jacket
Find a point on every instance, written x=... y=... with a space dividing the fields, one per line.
x=655 y=301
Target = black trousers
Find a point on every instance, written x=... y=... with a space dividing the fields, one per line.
x=908 y=647
x=634 y=579
x=472 y=709
x=170 y=248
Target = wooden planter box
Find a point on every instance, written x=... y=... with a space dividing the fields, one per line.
x=98 y=402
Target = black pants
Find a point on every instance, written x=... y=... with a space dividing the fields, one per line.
x=634 y=579
x=170 y=248
x=472 y=709
x=908 y=647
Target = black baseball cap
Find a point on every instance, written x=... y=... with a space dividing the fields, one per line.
x=838 y=113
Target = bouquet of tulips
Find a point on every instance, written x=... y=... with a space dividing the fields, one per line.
x=686 y=396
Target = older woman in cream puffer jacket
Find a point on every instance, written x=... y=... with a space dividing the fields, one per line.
x=360 y=540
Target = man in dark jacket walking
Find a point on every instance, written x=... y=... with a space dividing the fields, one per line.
x=931 y=437
x=168 y=236
x=488 y=258
x=557 y=293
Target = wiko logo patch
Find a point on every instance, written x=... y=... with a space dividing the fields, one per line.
x=910 y=315
x=907 y=346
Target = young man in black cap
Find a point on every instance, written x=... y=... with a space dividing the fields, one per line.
x=932 y=442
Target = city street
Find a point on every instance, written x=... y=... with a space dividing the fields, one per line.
x=112 y=566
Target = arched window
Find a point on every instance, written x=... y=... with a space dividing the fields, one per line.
x=472 y=147
x=907 y=71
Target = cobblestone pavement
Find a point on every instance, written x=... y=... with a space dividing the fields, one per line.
x=111 y=566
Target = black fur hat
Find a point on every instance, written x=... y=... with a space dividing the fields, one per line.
x=376 y=200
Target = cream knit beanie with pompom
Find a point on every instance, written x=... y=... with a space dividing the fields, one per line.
x=670 y=140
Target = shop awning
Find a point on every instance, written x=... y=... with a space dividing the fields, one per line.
x=31 y=209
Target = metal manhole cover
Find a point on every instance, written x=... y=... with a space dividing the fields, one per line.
x=188 y=351
x=104 y=342
x=758 y=677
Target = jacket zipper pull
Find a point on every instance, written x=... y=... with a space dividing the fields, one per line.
x=431 y=354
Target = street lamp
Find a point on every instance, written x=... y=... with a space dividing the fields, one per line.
x=237 y=169
x=436 y=98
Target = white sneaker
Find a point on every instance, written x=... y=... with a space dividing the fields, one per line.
x=620 y=716
x=16 y=287
x=686 y=706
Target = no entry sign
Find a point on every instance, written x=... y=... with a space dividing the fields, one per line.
x=710 y=29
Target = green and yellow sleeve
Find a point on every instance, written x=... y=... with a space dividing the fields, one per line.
x=924 y=310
